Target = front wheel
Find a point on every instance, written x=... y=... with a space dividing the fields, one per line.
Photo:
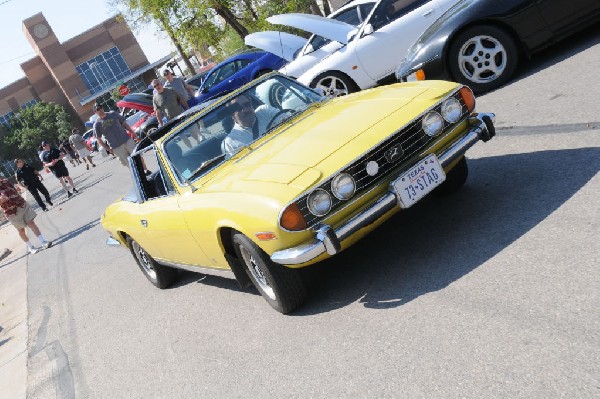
x=483 y=57
x=281 y=287
x=334 y=84
x=160 y=276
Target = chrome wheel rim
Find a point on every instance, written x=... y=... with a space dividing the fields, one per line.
x=482 y=59
x=145 y=262
x=331 y=86
x=257 y=273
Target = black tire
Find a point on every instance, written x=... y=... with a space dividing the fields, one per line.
x=483 y=57
x=281 y=286
x=334 y=84
x=160 y=276
x=455 y=178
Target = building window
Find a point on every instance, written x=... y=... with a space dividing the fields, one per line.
x=104 y=70
x=5 y=119
x=29 y=103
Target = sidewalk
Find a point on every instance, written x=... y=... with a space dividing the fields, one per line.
x=13 y=315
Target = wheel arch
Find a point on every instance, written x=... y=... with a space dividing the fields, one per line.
x=225 y=237
x=521 y=48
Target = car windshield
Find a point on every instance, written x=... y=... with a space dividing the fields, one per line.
x=212 y=138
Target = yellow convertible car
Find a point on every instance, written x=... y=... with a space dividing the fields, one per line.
x=274 y=177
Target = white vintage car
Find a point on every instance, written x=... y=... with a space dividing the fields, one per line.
x=354 y=57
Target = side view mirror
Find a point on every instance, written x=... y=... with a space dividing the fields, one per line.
x=368 y=29
x=351 y=35
x=309 y=48
x=204 y=90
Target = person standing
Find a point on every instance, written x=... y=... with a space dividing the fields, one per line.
x=52 y=159
x=78 y=143
x=167 y=102
x=114 y=127
x=66 y=148
x=180 y=86
x=30 y=178
x=20 y=214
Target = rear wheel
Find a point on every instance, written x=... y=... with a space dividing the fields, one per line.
x=159 y=275
x=455 y=178
x=334 y=84
x=281 y=287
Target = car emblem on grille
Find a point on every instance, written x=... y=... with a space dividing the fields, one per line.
x=394 y=153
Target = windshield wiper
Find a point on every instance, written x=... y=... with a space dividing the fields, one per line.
x=205 y=165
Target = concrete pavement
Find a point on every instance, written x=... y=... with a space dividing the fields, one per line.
x=13 y=314
x=14 y=326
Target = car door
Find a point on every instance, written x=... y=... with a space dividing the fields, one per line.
x=162 y=221
x=563 y=15
x=392 y=27
x=219 y=80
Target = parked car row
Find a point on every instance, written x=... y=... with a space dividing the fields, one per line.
x=474 y=42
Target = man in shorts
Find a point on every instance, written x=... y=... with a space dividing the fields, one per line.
x=20 y=214
x=114 y=127
x=78 y=143
x=52 y=159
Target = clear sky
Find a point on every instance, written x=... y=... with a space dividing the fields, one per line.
x=68 y=18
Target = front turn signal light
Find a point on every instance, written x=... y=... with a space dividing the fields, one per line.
x=468 y=98
x=292 y=219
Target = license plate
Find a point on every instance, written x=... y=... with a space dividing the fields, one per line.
x=419 y=181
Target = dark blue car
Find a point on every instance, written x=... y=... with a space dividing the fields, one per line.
x=235 y=72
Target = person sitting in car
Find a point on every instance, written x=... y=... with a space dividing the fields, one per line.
x=249 y=123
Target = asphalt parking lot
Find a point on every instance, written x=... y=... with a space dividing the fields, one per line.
x=492 y=292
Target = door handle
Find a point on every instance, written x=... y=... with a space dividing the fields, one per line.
x=428 y=12
x=144 y=223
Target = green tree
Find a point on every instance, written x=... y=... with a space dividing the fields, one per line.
x=42 y=121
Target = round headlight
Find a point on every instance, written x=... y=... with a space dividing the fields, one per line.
x=432 y=124
x=319 y=202
x=451 y=110
x=343 y=186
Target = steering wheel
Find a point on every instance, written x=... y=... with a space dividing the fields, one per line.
x=277 y=115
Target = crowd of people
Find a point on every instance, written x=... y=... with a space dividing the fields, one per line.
x=111 y=131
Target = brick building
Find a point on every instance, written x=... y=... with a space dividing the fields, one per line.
x=78 y=72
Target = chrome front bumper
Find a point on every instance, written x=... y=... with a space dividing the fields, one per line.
x=329 y=239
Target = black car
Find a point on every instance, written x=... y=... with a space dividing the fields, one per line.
x=480 y=42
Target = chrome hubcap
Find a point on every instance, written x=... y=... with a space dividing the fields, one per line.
x=482 y=59
x=145 y=261
x=331 y=86
x=257 y=273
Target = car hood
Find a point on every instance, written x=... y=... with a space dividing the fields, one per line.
x=281 y=44
x=326 y=27
x=325 y=138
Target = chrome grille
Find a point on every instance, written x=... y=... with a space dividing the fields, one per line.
x=412 y=140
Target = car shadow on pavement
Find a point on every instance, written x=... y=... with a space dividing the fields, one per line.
x=187 y=277
x=440 y=240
